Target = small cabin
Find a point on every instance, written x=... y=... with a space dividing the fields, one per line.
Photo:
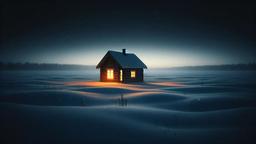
x=121 y=67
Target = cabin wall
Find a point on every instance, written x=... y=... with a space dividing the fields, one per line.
x=109 y=64
x=127 y=75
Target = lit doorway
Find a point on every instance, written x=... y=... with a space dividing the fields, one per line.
x=121 y=75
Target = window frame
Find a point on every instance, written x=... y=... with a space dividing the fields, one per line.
x=133 y=74
x=110 y=74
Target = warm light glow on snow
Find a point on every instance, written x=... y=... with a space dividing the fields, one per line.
x=148 y=87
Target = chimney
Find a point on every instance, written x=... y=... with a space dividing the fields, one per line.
x=124 y=51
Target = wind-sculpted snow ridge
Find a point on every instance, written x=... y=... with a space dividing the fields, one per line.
x=180 y=110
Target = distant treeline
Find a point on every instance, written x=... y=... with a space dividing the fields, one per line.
x=47 y=66
x=42 y=66
x=250 y=66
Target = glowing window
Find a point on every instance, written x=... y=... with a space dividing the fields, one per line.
x=110 y=74
x=121 y=75
x=133 y=74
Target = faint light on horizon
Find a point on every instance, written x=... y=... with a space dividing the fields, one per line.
x=151 y=56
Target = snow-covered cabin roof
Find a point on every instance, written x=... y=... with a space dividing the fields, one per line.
x=127 y=60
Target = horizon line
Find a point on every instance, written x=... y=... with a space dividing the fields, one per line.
x=153 y=67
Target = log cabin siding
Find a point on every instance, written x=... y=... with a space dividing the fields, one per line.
x=109 y=64
x=127 y=75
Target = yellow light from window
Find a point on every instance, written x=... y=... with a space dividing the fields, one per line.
x=121 y=75
x=133 y=74
x=110 y=74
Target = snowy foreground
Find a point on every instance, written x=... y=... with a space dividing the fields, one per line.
x=170 y=107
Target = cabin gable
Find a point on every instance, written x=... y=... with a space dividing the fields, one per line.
x=109 y=64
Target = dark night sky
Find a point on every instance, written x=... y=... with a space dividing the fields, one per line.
x=161 y=33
